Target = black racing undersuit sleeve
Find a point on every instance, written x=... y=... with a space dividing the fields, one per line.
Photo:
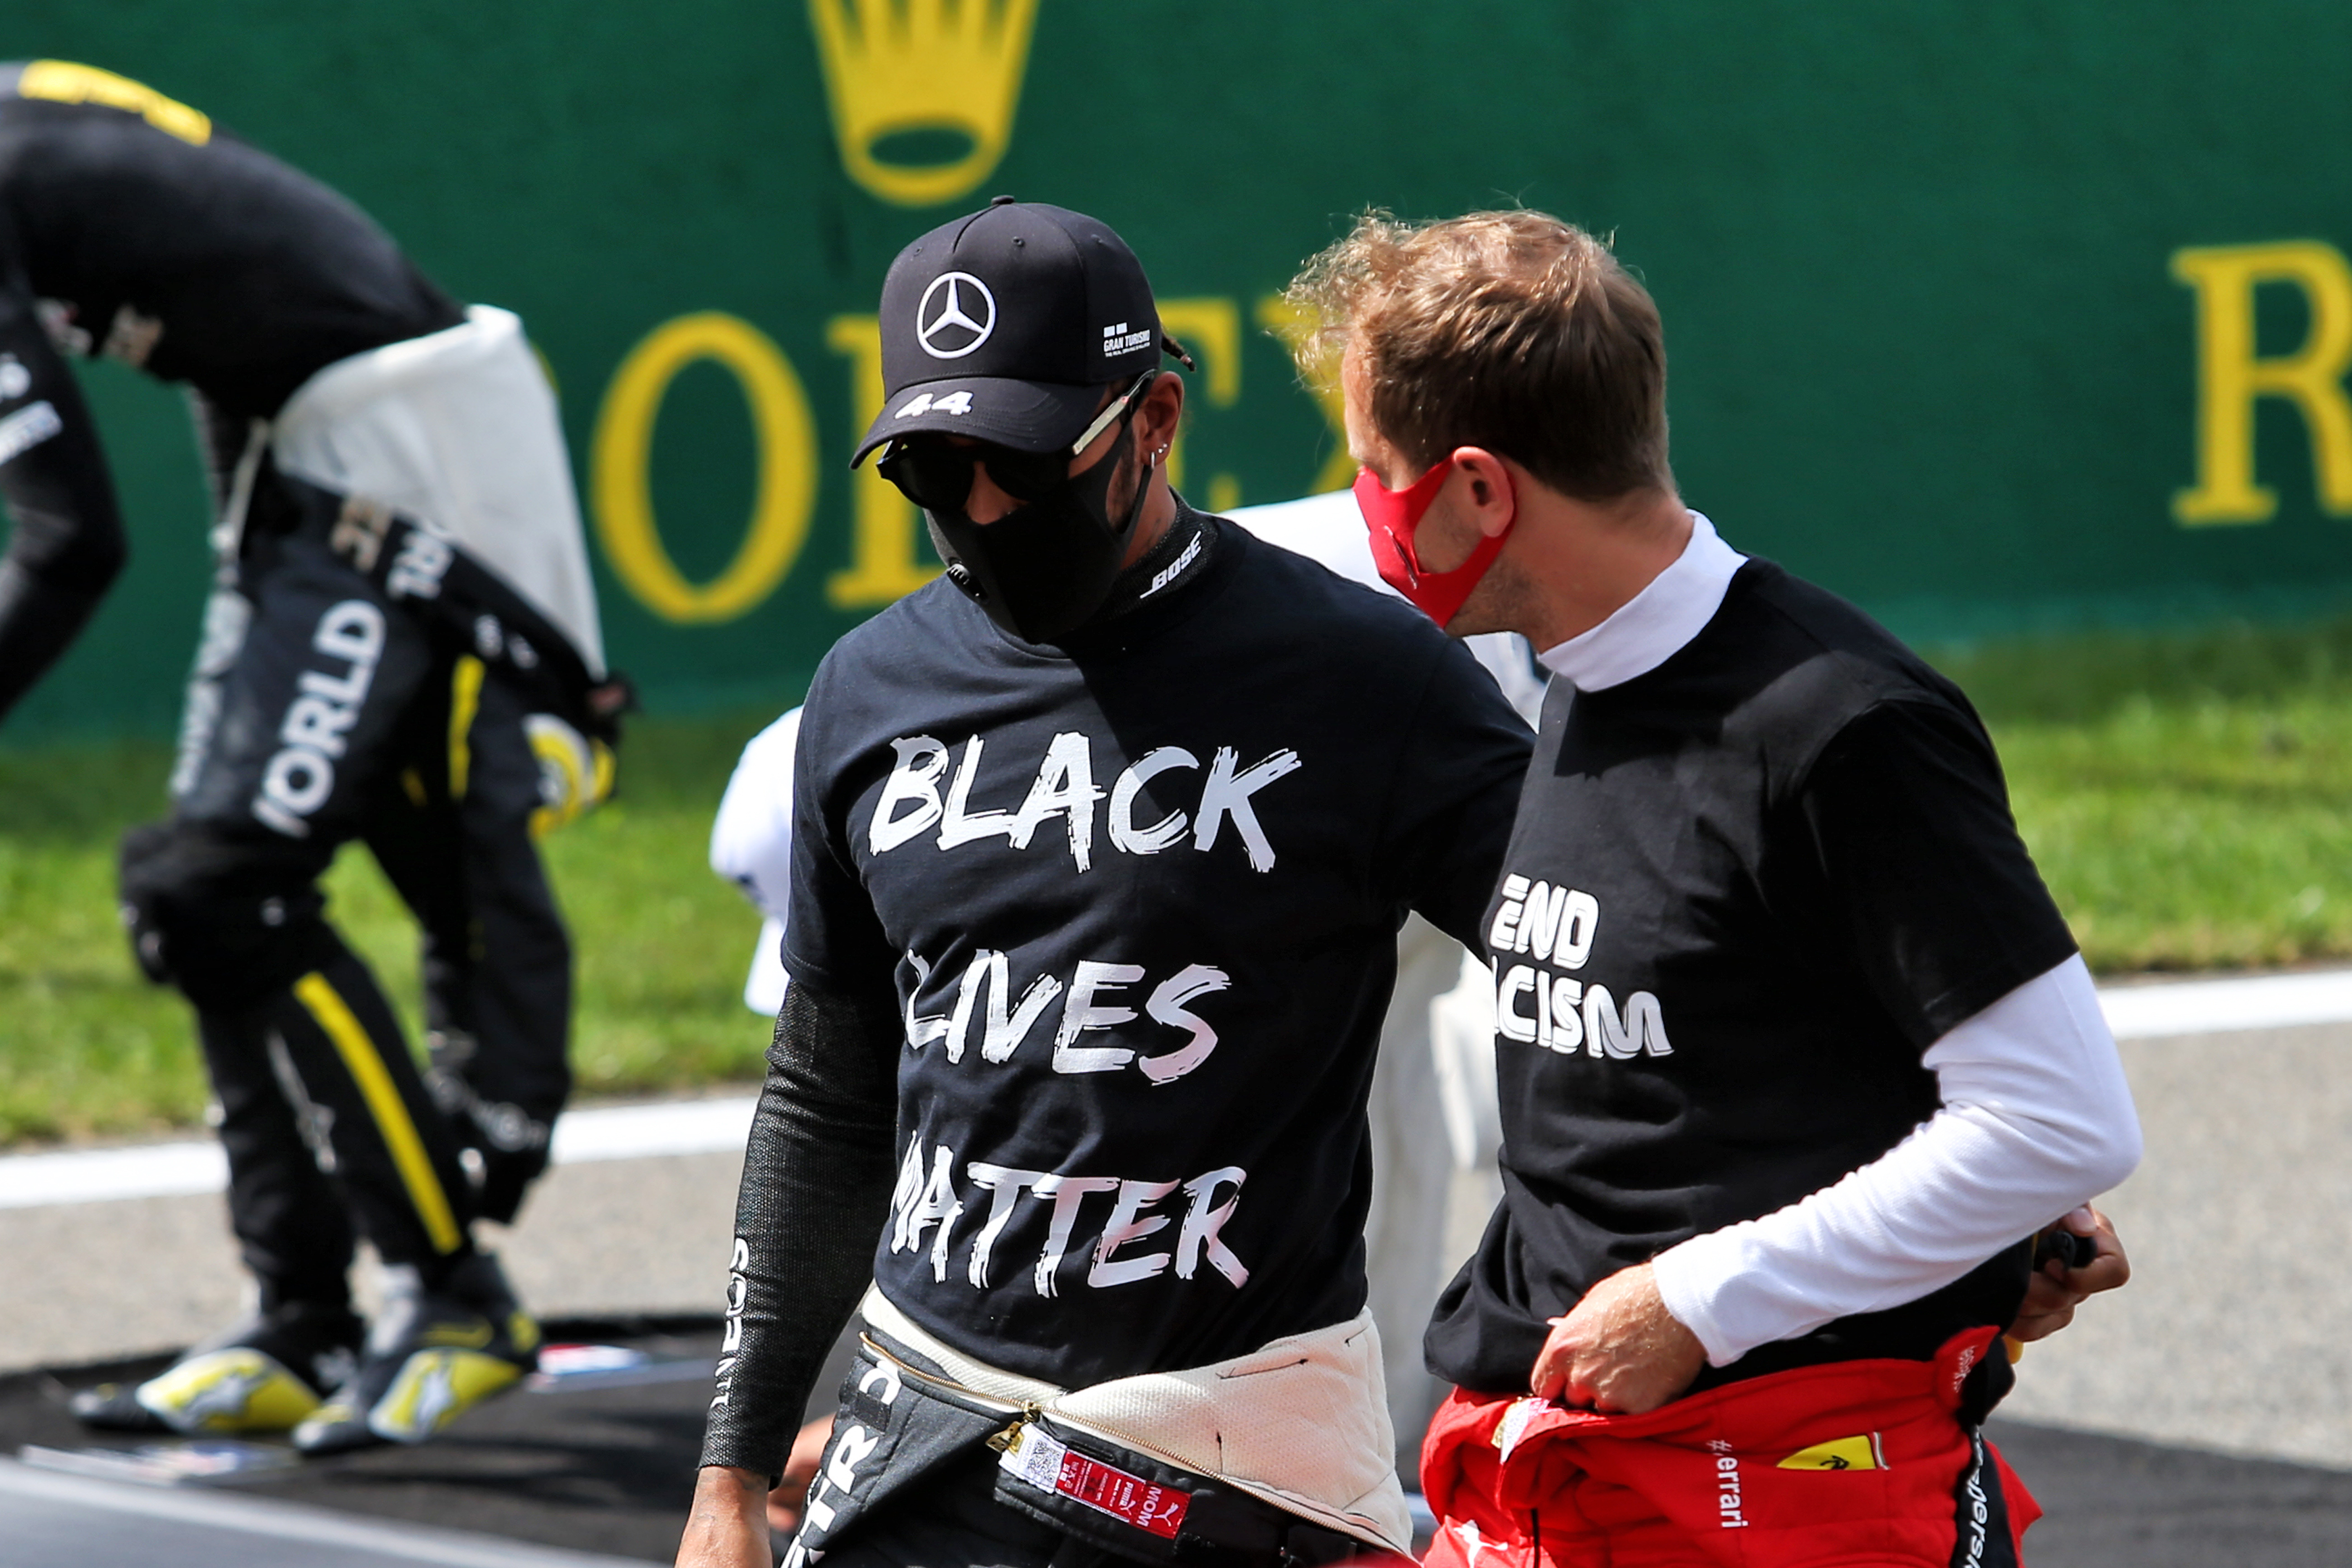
x=816 y=1189
x=67 y=543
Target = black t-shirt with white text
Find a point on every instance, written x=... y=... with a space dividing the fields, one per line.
x=1744 y=892
x=1136 y=898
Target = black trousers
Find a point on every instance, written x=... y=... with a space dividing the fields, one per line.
x=953 y=1520
x=321 y=711
x=908 y=1479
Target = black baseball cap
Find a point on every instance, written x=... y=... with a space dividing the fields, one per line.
x=1005 y=325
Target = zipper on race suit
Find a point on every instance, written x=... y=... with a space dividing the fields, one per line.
x=1028 y=1409
x=1006 y=1440
x=1023 y=1412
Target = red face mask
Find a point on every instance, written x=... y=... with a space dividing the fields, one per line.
x=1393 y=517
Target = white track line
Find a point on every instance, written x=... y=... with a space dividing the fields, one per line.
x=2222 y=1006
x=96 y=1176
x=644 y=1131
x=2134 y=1012
x=171 y=1170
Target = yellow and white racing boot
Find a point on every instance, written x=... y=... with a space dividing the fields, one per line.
x=430 y=1357
x=265 y=1375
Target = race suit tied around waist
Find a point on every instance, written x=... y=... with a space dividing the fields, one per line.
x=457 y=428
x=900 y=1422
x=905 y=1412
x=1874 y=1461
x=1150 y=1512
x=1300 y=1423
x=472 y=607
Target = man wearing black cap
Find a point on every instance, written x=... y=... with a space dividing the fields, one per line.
x=1100 y=857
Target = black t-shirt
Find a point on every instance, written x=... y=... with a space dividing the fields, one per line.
x=176 y=247
x=1136 y=898
x=1744 y=892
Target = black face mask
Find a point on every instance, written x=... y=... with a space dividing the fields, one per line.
x=1045 y=569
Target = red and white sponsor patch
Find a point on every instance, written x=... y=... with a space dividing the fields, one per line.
x=1045 y=1462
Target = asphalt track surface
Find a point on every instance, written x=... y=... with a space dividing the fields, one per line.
x=595 y=1469
x=2235 y=1339
x=600 y=1464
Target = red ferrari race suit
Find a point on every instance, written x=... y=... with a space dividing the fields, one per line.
x=1858 y=1462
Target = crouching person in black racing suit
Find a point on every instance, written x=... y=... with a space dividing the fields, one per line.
x=401 y=647
x=1100 y=851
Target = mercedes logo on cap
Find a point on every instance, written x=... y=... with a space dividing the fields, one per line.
x=944 y=323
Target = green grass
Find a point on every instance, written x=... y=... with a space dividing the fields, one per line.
x=2205 y=835
x=2188 y=798
x=87 y=1048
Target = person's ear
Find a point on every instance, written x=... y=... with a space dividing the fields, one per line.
x=1484 y=489
x=1161 y=411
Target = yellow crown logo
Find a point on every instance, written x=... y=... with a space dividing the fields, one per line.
x=923 y=90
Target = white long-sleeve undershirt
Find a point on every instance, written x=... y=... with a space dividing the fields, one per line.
x=2036 y=1119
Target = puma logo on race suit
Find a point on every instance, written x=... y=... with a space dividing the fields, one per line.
x=226 y=1396
x=1064 y=787
x=437 y=1396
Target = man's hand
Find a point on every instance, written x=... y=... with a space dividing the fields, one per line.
x=784 y=1503
x=728 y=1525
x=2056 y=1290
x=1620 y=1351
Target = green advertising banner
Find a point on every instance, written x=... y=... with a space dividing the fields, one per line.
x=1994 y=319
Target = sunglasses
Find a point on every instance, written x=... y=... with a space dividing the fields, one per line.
x=937 y=474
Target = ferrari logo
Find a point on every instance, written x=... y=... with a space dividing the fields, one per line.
x=1860 y=1453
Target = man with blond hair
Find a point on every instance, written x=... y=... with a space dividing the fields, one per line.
x=1796 y=1054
